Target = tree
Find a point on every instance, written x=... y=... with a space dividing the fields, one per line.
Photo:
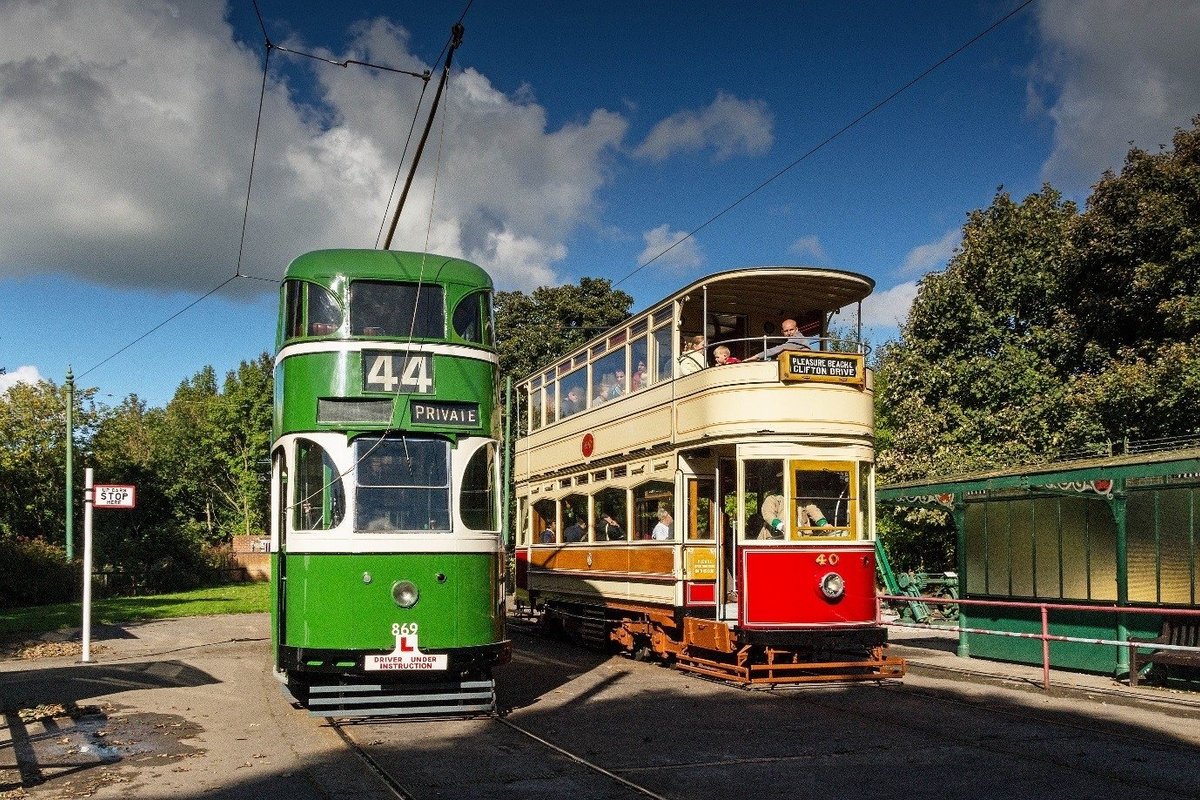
x=33 y=454
x=533 y=330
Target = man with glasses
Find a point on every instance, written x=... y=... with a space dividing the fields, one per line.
x=794 y=341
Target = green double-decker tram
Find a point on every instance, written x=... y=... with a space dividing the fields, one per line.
x=387 y=560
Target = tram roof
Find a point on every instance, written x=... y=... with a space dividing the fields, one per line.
x=790 y=290
x=322 y=265
x=783 y=290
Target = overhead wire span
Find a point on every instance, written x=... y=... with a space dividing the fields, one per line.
x=928 y=71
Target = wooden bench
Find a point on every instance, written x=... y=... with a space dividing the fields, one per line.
x=1178 y=632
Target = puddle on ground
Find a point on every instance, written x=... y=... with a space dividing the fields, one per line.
x=78 y=747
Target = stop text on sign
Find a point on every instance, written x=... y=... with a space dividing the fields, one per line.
x=114 y=496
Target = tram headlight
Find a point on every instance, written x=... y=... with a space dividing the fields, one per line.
x=833 y=585
x=405 y=594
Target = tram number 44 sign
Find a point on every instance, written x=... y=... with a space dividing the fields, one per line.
x=112 y=496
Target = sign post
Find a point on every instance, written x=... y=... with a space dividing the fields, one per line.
x=103 y=496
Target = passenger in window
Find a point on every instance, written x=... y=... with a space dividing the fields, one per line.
x=639 y=380
x=609 y=389
x=693 y=358
x=721 y=356
x=795 y=341
x=618 y=387
x=665 y=527
x=609 y=528
x=577 y=532
x=573 y=402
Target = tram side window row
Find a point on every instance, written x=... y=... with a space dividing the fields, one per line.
x=644 y=512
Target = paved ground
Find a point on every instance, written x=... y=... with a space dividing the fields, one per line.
x=188 y=709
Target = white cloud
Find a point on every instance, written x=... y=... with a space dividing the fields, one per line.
x=1115 y=71
x=127 y=130
x=684 y=255
x=808 y=246
x=25 y=374
x=728 y=126
x=931 y=255
x=889 y=308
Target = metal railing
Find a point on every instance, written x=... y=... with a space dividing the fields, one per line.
x=1045 y=636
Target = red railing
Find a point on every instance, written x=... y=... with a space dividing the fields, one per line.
x=1045 y=636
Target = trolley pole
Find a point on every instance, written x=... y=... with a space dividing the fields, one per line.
x=87 y=566
x=70 y=468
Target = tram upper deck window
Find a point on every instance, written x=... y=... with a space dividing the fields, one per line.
x=535 y=404
x=477 y=500
x=608 y=377
x=572 y=390
x=381 y=308
x=472 y=318
x=310 y=310
x=403 y=484
x=320 y=500
x=824 y=500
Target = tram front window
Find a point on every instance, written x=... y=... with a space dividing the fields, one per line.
x=403 y=484
x=409 y=310
x=823 y=500
x=766 y=513
x=320 y=500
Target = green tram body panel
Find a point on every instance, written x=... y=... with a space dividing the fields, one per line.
x=330 y=606
x=301 y=380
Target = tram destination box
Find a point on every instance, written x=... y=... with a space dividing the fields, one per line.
x=827 y=367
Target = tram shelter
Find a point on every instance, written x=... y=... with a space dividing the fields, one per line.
x=1114 y=530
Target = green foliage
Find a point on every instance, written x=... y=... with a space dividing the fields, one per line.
x=1051 y=332
x=33 y=572
x=533 y=330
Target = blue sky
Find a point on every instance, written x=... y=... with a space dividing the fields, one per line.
x=579 y=139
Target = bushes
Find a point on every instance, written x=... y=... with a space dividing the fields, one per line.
x=33 y=572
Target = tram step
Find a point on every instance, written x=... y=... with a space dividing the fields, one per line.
x=461 y=699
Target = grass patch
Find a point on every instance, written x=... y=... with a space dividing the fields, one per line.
x=236 y=598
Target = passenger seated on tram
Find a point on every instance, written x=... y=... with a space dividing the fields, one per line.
x=640 y=379
x=611 y=386
x=609 y=528
x=573 y=403
x=795 y=341
x=721 y=356
x=547 y=535
x=577 y=532
x=693 y=358
x=665 y=527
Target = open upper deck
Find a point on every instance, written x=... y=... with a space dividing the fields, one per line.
x=641 y=386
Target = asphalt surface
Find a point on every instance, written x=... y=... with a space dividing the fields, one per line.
x=189 y=709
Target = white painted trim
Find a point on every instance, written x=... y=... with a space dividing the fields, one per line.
x=357 y=346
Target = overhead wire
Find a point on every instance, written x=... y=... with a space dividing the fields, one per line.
x=870 y=111
x=268 y=45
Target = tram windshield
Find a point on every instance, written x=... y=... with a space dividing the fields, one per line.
x=379 y=308
x=403 y=484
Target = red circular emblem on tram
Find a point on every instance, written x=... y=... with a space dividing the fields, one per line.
x=589 y=444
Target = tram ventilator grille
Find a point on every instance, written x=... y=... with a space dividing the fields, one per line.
x=422 y=700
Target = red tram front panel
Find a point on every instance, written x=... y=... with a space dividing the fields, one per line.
x=794 y=587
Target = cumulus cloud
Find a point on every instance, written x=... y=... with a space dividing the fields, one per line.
x=889 y=308
x=684 y=254
x=1112 y=72
x=127 y=130
x=727 y=127
x=808 y=247
x=25 y=374
x=932 y=255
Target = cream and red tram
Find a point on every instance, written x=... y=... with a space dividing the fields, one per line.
x=718 y=515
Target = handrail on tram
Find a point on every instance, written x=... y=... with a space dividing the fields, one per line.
x=822 y=344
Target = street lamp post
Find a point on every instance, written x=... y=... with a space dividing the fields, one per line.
x=70 y=470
